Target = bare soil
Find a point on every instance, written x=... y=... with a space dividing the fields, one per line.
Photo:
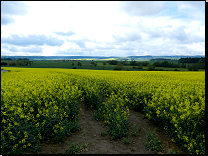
x=90 y=135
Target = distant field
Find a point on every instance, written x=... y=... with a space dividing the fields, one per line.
x=86 y=65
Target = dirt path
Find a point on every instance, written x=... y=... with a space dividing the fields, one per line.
x=90 y=134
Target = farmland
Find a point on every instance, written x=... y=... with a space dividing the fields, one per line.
x=105 y=64
x=41 y=103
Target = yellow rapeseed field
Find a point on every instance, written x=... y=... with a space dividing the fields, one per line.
x=40 y=103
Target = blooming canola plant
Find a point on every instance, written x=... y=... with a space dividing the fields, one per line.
x=37 y=104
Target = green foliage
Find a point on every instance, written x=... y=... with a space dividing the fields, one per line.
x=126 y=141
x=153 y=143
x=192 y=60
x=173 y=152
x=79 y=64
x=127 y=69
x=118 y=67
x=103 y=67
x=41 y=96
x=74 y=148
x=103 y=134
x=135 y=130
x=139 y=66
x=38 y=114
x=150 y=67
x=115 y=116
x=112 y=62
x=193 y=67
x=98 y=116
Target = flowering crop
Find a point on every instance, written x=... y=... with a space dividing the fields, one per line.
x=43 y=103
x=35 y=105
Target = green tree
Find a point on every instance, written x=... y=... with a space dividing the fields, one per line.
x=139 y=66
x=103 y=67
x=195 y=67
x=127 y=69
x=190 y=68
x=72 y=64
x=79 y=64
x=118 y=67
x=150 y=67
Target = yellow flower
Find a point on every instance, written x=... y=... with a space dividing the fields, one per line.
x=37 y=124
x=23 y=141
x=24 y=146
x=4 y=121
x=40 y=137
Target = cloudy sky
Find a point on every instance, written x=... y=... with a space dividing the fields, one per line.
x=102 y=28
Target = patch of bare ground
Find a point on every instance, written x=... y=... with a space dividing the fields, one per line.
x=90 y=135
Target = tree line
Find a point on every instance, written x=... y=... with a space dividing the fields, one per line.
x=17 y=62
x=125 y=63
x=192 y=60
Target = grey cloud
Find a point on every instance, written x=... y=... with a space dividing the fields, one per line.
x=80 y=43
x=13 y=49
x=179 y=34
x=13 y=7
x=9 y=8
x=5 y=46
x=155 y=33
x=137 y=8
x=69 y=33
x=196 y=38
x=32 y=49
x=6 y=19
x=32 y=40
x=133 y=36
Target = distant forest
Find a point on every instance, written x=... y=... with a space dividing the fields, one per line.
x=192 y=60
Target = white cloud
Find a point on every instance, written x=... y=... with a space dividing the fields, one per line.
x=105 y=28
x=139 y=8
